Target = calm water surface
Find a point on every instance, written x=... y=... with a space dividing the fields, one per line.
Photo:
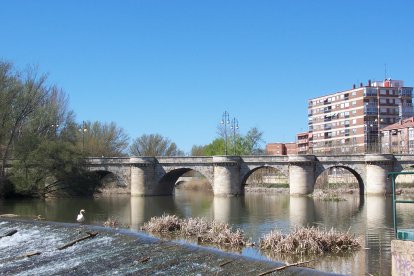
x=256 y=214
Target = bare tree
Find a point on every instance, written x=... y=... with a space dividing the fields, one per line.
x=102 y=139
x=154 y=145
x=21 y=97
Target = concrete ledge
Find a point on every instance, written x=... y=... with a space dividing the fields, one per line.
x=142 y=160
x=402 y=257
x=226 y=159
x=379 y=158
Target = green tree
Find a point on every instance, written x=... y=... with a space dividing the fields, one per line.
x=54 y=167
x=250 y=144
x=20 y=96
x=198 y=150
x=215 y=148
x=154 y=145
x=38 y=132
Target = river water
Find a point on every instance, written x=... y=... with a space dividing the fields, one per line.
x=369 y=217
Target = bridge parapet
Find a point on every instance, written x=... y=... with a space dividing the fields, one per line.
x=404 y=157
x=142 y=161
x=379 y=158
x=226 y=160
x=199 y=160
x=351 y=158
x=265 y=159
x=107 y=161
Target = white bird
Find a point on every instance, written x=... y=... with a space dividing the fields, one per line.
x=80 y=217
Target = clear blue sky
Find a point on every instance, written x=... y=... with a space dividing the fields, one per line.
x=172 y=67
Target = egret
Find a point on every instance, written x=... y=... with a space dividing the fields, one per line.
x=80 y=217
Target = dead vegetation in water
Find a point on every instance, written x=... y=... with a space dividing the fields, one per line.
x=209 y=232
x=309 y=240
x=329 y=195
x=111 y=222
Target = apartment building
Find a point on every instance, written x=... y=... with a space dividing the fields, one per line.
x=282 y=148
x=399 y=137
x=291 y=148
x=349 y=121
x=276 y=149
x=303 y=142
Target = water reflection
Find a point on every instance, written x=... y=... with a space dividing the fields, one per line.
x=301 y=211
x=256 y=214
x=229 y=209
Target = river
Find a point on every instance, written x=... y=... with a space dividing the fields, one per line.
x=369 y=217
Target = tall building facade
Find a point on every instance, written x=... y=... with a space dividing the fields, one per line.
x=303 y=142
x=350 y=121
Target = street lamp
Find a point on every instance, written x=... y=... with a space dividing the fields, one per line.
x=55 y=128
x=83 y=130
x=225 y=120
x=234 y=127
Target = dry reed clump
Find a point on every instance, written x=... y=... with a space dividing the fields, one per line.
x=111 y=222
x=309 y=240
x=213 y=232
x=163 y=224
x=328 y=195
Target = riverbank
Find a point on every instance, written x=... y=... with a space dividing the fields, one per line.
x=116 y=251
x=399 y=191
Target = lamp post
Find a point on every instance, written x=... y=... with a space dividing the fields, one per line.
x=234 y=127
x=225 y=120
x=83 y=130
x=55 y=128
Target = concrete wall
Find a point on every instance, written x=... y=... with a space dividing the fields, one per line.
x=402 y=257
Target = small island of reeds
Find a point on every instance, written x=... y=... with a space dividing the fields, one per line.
x=302 y=240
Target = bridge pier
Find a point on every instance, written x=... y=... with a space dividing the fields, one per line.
x=301 y=174
x=227 y=176
x=377 y=167
x=142 y=176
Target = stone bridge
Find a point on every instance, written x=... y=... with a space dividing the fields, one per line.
x=150 y=176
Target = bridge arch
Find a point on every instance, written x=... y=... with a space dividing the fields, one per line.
x=111 y=179
x=252 y=169
x=166 y=183
x=353 y=171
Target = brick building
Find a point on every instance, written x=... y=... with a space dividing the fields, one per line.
x=276 y=149
x=303 y=142
x=281 y=148
x=349 y=121
x=291 y=148
x=398 y=137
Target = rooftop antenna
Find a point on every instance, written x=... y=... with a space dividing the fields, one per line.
x=385 y=70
